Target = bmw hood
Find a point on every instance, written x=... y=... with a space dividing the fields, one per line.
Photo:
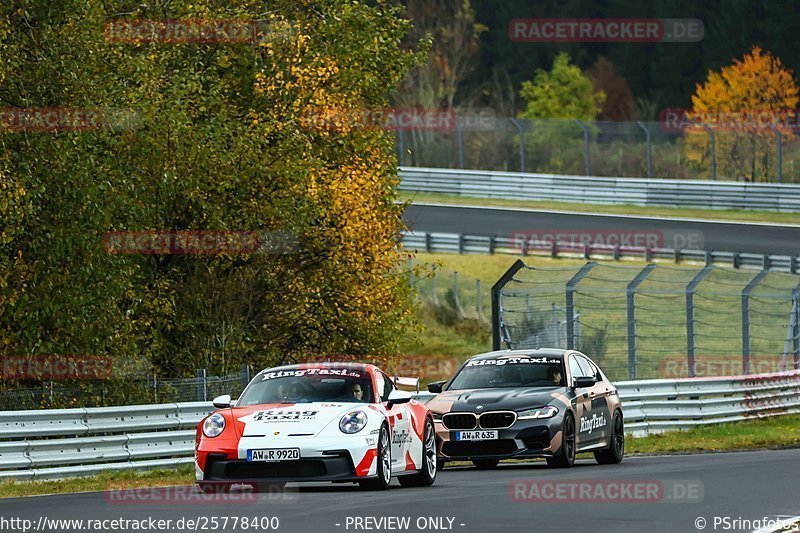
x=293 y=420
x=482 y=400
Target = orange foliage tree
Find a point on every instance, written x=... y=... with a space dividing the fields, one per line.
x=744 y=104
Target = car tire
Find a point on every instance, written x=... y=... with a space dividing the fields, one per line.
x=616 y=443
x=427 y=474
x=565 y=457
x=384 y=459
x=486 y=464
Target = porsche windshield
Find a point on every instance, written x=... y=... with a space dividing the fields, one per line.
x=511 y=372
x=309 y=385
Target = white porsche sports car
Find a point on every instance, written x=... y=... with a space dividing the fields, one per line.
x=338 y=422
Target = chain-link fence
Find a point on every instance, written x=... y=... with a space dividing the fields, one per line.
x=620 y=149
x=103 y=393
x=656 y=321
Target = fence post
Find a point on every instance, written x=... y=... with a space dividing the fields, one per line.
x=497 y=310
x=478 y=304
x=455 y=291
x=202 y=382
x=779 y=140
x=649 y=149
x=570 y=300
x=690 y=288
x=244 y=375
x=586 y=156
x=796 y=336
x=713 y=151
x=630 y=294
x=516 y=123
x=460 y=137
x=401 y=146
x=746 y=319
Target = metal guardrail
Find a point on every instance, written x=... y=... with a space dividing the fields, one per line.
x=62 y=443
x=658 y=405
x=437 y=242
x=581 y=189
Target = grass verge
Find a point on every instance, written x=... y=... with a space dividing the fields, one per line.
x=625 y=209
x=183 y=475
x=772 y=432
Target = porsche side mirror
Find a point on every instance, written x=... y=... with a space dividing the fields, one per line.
x=397 y=397
x=222 y=402
x=436 y=386
x=584 y=382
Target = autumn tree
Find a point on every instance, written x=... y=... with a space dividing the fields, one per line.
x=554 y=100
x=618 y=104
x=744 y=103
x=219 y=142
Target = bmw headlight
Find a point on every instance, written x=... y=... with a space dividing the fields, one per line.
x=214 y=425
x=437 y=417
x=539 y=412
x=353 y=422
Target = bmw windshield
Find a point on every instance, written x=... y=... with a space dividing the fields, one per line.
x=510 y=372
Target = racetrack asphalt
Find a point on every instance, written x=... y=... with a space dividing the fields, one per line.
x=671 y=233
x=739 y=485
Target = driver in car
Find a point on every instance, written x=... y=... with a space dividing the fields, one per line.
x=554 y=374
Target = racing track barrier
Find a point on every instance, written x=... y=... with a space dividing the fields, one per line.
x=600 y=190
x=63 y=443
x=437 y=242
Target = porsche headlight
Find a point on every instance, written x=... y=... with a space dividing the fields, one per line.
x=353 y=422
x=214 y=425
x=540 y=412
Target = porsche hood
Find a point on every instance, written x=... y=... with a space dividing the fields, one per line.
x=300 y=419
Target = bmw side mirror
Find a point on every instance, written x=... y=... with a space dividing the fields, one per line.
x=222 y=402
x=584 y=382
x=436 y=386
x=397 y=397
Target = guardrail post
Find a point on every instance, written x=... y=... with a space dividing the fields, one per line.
x=428 y=242
x=460 y=243
x=516 y=123
x=649 y=149
x=570 y=300
x=631 y=305
x=492 y=244
x=202 y=382
x=690 y=288
x=586 y=156
x=746 y=319
x=497 y=308
x=713 y=151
